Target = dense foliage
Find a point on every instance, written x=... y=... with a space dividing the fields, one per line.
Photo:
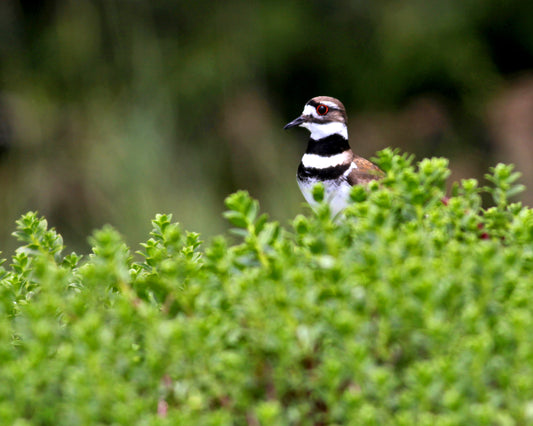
x=412 y=309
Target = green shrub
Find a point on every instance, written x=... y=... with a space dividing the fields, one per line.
x=412 y=309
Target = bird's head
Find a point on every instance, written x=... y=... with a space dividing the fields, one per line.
x=323 y=116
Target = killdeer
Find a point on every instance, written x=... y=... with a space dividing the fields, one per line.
x=329 y=158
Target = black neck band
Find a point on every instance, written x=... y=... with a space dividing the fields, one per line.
x=328 y=146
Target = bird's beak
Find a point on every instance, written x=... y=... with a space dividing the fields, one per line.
x=294 y=123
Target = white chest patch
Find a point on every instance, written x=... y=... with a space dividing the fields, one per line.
x=336 y=193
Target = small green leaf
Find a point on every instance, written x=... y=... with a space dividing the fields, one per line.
x=318 y=193
x=236 y=218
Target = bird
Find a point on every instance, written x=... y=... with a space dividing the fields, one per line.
x=328 y=158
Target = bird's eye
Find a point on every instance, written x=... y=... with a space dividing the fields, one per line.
x=322 y=109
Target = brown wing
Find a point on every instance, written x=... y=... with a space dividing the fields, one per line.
x=365 y=172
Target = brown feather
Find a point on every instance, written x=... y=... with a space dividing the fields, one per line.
x=365 y=172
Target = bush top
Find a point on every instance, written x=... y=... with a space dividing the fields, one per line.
x=413 y=308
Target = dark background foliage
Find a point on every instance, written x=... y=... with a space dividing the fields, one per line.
x=111 y=110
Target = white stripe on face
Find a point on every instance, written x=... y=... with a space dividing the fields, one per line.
x=330 y=104
x=321 y=162
x=323 y=130
x=310 y=110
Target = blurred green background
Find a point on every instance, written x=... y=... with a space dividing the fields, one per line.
x=114 y=110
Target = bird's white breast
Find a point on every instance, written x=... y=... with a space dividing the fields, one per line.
x=336 y=193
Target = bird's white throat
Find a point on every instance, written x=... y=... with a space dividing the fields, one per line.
x=323 y=130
